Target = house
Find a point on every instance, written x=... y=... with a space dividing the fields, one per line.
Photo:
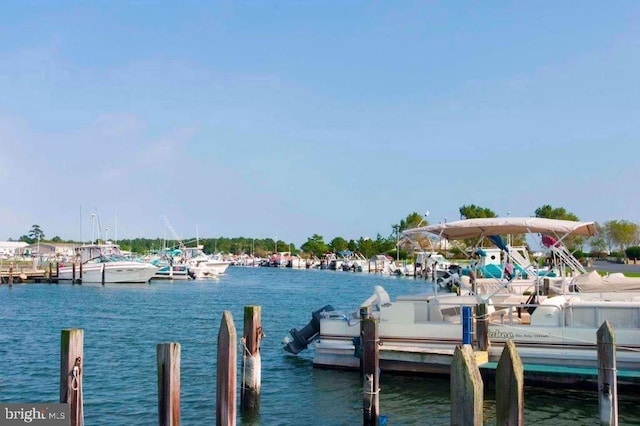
x=8 y=249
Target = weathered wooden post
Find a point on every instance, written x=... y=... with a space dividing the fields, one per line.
x=482 y=327
x=10 y=279
x=251 y=359
x=103 y=273
x=607 y=380
x=71 y=371
x=57 y=272
x=73 y=273
x=50 y=272
x=370 y=368
x=226 y=371
x=509 y=387
x=168 y=384
x=466 y=388
x=80 y=279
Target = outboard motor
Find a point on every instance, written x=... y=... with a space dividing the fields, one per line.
x=302 y=338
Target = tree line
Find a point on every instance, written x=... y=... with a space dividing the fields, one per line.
x=619 y=238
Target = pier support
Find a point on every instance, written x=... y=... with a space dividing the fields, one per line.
x=251 y=360
x=168 y=384
x=71 y=372
x=509 y=387
x=370 y=371
x=226 y=371
x=466 y=388
x=607 y=380
x=482 y=327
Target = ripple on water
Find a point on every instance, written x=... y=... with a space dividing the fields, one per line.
x=123 y=325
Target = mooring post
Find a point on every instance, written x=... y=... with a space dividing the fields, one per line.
x=103 y=273
x=57 y=272
x=370 y=370
x=365 y=312
x=80 y=279
x=607 y=379
x=50 y=272
x=226 y=371
x=509 y=387
x=10 y=279
x=251 y=359
x=73 y=273
x=482 y=327
x=466 y=388
x=71 y=371
x=168 y=384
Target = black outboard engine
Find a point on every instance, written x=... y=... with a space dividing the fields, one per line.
x=302 y=338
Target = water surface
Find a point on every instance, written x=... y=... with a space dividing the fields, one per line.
x=124 y=323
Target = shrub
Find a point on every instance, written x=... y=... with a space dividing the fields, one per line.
x=633 y=252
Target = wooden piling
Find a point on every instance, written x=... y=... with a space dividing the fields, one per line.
x=509 y=387
x=226 y=372
x=466 y=388
x=168 y=384
x=71 y=372
x=103 y=273
x=57 y=272
x=10 y=279
x=607 y=380
x=251 y=360
x=73 y=273
x=482 y=327
x=80 y=279
x=370 y=368
x=50 y=272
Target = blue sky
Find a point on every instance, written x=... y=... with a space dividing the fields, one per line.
x=284 y=119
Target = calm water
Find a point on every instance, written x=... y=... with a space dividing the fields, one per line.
x=123 y=324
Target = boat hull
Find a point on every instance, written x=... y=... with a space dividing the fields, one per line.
x=114 y=272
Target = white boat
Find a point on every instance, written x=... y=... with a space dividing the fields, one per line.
x=173 y=272
x=204 y=266
x=419 y=333
x=106 y=259
x=433 y=265
x=525 y=275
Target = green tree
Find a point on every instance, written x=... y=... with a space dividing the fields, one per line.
x=549 y=212
x=366 y=247
x=597 y=242
x=338 y=244
x=315 y=245
x=474 y=212
x=620 y=234
x=413 y=220
x=36 y=233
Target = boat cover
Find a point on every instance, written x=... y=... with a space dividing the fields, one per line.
x=484 y=227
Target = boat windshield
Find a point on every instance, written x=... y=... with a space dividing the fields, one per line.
x=107 y=259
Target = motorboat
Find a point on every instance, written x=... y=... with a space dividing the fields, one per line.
x=173 y=272
x=201 y=265
x=506 y=268
x=418 y=333
x=106 y=260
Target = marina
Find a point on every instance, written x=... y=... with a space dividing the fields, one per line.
x=123 y=323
